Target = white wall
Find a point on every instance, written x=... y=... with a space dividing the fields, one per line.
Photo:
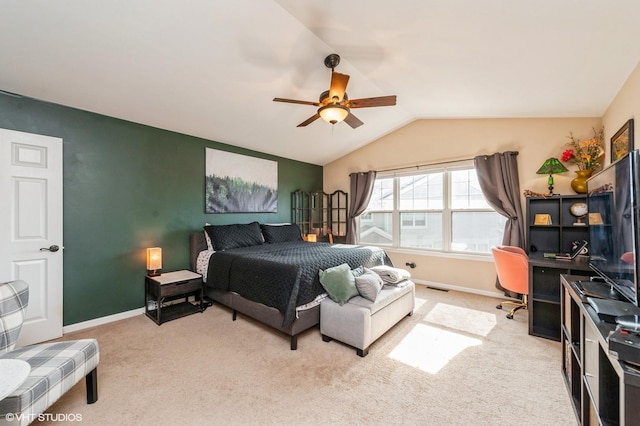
x=624 y=106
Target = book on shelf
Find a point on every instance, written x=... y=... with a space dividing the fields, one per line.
x=595 y=219
x=542 y=219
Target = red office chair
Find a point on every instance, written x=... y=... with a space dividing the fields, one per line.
x=512 y=265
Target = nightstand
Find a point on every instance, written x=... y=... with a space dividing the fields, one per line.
x=172 y=286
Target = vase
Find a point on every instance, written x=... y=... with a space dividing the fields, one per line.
x=579 y=183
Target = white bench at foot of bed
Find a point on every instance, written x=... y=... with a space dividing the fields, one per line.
x=360 y=322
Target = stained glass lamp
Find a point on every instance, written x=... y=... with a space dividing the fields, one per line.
x=550 y=167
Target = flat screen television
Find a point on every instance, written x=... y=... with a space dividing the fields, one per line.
x=614 y=225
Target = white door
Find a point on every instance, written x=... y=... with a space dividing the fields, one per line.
x=31 y=227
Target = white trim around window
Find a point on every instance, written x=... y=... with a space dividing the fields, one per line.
x=453 y=218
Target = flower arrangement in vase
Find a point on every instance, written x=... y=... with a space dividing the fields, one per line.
x=587 y=154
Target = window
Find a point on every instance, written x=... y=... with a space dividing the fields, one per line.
x=441 y=210
x=375 y=223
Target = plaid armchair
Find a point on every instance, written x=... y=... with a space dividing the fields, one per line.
x=55 y=367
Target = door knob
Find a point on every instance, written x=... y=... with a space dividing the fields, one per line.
x=53 y=248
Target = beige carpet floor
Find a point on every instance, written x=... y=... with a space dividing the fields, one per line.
x=456 y=361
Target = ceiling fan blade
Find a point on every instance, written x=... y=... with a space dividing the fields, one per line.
x=294 y=101
x=338 y=86
x=353 y=121
x=372 y=102
x=309 y=120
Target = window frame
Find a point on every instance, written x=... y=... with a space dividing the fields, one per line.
x=446 y=212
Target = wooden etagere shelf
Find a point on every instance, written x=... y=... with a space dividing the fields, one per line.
x=321 y=213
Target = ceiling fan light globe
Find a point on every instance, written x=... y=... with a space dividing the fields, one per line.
x=333 y=113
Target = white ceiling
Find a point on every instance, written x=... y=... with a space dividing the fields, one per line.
x=211 y=68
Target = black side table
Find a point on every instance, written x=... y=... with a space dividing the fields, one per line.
x=171 y=286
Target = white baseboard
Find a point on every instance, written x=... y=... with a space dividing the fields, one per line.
x=443 y=286
x=102 y=320
x=128 y=314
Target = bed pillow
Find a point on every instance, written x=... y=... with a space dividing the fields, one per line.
x=281 y=233
x=225 y=237
x=339 y=283
x=369 y=284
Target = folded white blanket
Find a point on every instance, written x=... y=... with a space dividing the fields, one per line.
x=390 y=274
x=401 y=284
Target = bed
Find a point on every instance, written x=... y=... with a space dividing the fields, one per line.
x=269 y=273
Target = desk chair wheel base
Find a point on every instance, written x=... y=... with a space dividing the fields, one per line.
x=509 y=315
x=517 y=306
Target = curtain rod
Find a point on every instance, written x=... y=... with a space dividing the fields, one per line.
x=442 y=162
x=436 y=164
x=424 y=165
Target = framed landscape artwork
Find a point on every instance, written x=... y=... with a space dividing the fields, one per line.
x=236 y=183
x=622 y=141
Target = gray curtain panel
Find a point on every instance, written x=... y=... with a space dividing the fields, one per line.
x=500 y=184
x=360 y=192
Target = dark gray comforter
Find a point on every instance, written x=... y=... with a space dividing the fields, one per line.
x=284 y=275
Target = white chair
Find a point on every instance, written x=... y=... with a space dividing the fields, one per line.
x=55 y=367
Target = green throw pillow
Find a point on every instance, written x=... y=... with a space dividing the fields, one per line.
x=339 y=283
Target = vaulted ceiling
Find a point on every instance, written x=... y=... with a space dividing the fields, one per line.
x=211 y=68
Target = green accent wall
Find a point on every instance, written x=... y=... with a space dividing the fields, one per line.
x=128 y=187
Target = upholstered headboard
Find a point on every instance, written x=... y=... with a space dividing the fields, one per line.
x=240 y=235
x=197 y=244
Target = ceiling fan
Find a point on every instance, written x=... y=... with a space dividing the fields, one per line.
x=334 y=104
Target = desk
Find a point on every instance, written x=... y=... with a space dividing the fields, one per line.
x=544 y=292
x=12 y=373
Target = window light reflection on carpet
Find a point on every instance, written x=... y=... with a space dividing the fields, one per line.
x=416 y=348
x=463 y=319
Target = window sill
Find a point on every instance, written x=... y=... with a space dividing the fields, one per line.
x=476 y=257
